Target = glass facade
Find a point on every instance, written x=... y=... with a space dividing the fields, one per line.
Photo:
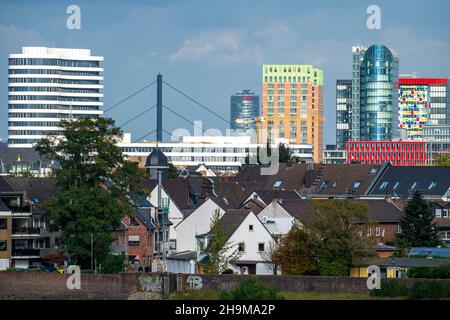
x=378 y=94
x=46 y=85
x=343 y=113
x=244 y=110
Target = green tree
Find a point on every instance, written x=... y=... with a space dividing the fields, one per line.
x=294 y=253
x=442 y=160
x=251 y=289
x=114 y=263
x=218 y=254
x=417 y=227
x=94 y=186
x=284 y=153
x=172 y=172
x=338 y=233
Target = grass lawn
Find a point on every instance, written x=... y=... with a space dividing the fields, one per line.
x=213 y=295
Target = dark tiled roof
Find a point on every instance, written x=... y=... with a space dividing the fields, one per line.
x=381 y=211
x=340 y=179
x=27 y=155
x=3 y=206
x=177 y=189
x=269 y=195
x=144 y=216
x=184 y=255
x=442 y=222
x=255 y=205
x=40 y=189
x=404 y=262
x=406 y=176
x=231 y=220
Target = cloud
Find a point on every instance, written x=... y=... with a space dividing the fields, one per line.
x=13 y=37
x=220 y=45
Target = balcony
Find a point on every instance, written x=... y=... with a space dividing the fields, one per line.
x=21 y=211
x=25 y=231
x=25 y=253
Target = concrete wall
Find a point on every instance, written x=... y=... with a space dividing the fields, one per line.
x=41 y=285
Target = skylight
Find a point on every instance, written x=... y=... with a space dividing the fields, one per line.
x=277 y=184
x=384 y=185
x=415 y=184
x=432 y=185
x=356 y=184
x=396 y=185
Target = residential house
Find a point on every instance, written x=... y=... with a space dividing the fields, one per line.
x=198 y=222
x=402 y=182
x=441 y=211
x=394 y=267
x=175 y=198
x=247 y=235
x=5 y=236
x=31 y=243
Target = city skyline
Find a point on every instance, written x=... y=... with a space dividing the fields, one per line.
x=210 y=57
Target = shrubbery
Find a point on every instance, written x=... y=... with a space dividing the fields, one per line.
x=440 y=272
x=420 y=290
x=251 y=289
x=390 y=289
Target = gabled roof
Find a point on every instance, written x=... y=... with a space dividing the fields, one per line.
x=3 y=207
x=430 y=181
x=176 y=189
x=230 y=221
x=255 y=205
x=344 y=179
x=40 y=189
x=381 y=211
x=27 y=155
x=269 y=195
x=144 y=216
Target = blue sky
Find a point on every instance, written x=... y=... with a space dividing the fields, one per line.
x=211 y=49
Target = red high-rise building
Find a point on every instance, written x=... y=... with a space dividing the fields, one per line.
x=399 y=153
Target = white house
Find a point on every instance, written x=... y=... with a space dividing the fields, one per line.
x=198 y=222
x=246 y=234
x=174 y=196
x=276 y=218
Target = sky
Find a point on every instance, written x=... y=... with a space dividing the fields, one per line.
x=212 y=49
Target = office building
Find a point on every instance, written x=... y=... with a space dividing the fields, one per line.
x=343 y=113
x=422 y=101
x=46 y=85
x=437 y=138
x=292 y=106
x=374 y=94
x=244 y=110
x=398 y=153
x=219 y=153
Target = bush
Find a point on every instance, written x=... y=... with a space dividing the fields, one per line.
x=227 y=271
x=113 y=263
x=390 y=288
x=251 y=289
x=430 y=290
x=440 y=272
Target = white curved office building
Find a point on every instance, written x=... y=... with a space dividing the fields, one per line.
x=46 y=85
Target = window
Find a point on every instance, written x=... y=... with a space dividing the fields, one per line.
x=261 y=247
x=3 y=245
x=277 y=184
x=444 y=213
x=241 y=247
x=415 y=184
x=445 y=235
x=42 y=243
x=432 y=185
x=250 y=227
x=384 y=185
x=378 y=231
x=396 y=185
x=399 y=228
x=356 y=184
x=3 y=224
x=438 y=213
x=133 y=241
